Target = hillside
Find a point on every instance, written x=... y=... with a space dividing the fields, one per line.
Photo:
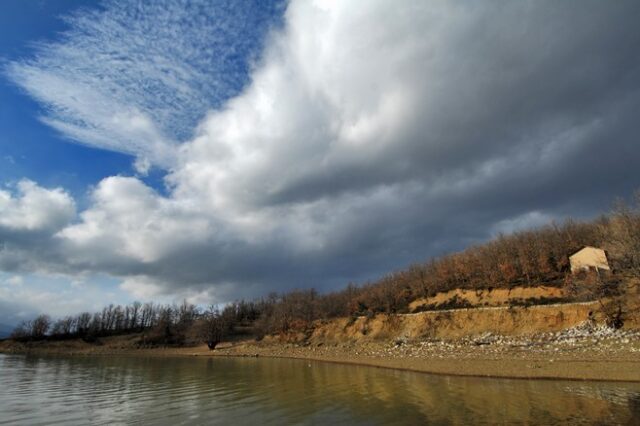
x=522 y=269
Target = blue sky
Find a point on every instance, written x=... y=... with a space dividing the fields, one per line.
x=216 y=150
x=28 y=148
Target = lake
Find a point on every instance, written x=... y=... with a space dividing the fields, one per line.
x=255 y=391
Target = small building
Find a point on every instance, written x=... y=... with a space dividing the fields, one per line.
x=589 y=258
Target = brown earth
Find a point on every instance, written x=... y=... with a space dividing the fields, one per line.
x=489 y=297
x=455 y=323
x=451 y=342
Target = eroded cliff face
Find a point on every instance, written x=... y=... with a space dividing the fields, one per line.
x=488 y=315
x=456 y=323
x=496 y=297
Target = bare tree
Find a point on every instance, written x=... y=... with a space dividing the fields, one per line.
x=624 y=232
x=22 y=331
x=134 y=313
x=40 y=326
x=83 y=322
x=64 y=327
x=605 y=289
x=213 y=327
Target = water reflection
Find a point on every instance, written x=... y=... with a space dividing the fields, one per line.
x=38 y=390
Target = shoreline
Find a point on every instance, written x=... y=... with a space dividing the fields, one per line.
x=507 y=366
x=373 y=364
x=613 y=363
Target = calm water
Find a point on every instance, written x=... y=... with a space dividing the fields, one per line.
x=37 y=390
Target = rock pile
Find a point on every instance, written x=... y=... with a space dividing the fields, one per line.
x=587 y=337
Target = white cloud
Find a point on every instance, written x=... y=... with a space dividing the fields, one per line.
x=15 y=281
x=141 y=287
x=521 y=222
x=128 y=220
x=34 y=208
x=54 y=294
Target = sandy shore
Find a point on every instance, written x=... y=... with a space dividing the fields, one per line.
x=608 y=358
x=622 y=364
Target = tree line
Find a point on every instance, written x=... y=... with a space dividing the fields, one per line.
x=527 y=258
x=111 y=320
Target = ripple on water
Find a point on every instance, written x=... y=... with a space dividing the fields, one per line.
x=135 y=390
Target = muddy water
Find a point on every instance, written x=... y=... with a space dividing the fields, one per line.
x=134 y=390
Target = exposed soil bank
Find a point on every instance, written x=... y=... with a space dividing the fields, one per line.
x=487 y=297
x=577 y=354
x=457 y=323
x=562 y=341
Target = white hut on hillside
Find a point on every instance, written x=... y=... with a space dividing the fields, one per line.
x=587 y=258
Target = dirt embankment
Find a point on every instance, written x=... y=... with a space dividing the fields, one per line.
x=450 y=324
x=489 y=297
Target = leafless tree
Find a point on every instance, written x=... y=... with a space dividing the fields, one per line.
x=22 y=331
x=213 y=327
x=40 y=326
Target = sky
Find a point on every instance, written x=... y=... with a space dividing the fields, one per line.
x=216 y=150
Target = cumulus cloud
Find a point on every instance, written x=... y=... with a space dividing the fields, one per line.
x=30 y=217
x=128 y=221
x=35 y=209
x=372 y=136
